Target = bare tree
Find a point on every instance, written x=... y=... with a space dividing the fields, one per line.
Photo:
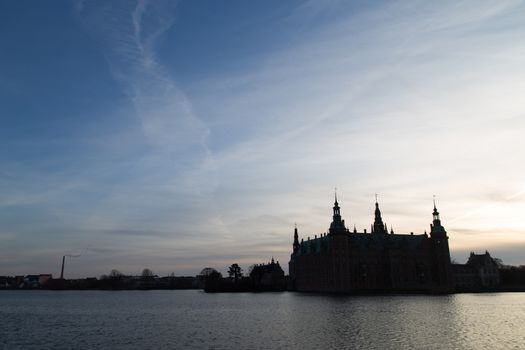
x=147 y=273
x=207 y=271
x=499 y=262
x=115 y=274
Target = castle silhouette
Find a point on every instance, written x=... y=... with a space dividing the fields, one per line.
x=379 y=261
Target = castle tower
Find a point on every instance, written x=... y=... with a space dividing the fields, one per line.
x=379 y=226
x=338 y=225
x=296 y=244
x=442 y=269
x=436 y=229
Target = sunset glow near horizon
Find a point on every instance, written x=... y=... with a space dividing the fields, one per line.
x=181 y=135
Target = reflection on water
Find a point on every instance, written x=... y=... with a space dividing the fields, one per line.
x=195 y=320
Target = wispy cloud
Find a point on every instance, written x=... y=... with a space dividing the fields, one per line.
x=408 y=99
x=403 y=99
x=174 y=137
x=130 y=34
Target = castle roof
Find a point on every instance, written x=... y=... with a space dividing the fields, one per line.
x=364 y=241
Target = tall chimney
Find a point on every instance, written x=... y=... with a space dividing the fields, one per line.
x=62 y=271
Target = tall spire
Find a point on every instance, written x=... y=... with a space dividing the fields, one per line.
x=336 y=206
x=379 y=226
x=296 y=244
x=435 y=213
x=337 y=225
x=436 y=229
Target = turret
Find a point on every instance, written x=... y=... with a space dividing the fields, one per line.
x=296 y=244
x=379 y=226
x=337 y=226
x=436 y=229
x=441 y=262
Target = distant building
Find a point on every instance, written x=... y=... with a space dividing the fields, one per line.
x=486 y=269
x=31 y=281
x=380 y=261
x=480 y=272
x=7 y=282
x=44 y=278
x=268 y=277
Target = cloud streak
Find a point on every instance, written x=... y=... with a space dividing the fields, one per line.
x=404 y=99
x=396 y=100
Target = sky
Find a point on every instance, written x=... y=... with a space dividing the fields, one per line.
x=180 y=135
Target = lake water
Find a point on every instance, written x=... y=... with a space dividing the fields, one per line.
x=196 y=320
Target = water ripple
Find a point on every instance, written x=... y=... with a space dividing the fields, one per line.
x=195 y=320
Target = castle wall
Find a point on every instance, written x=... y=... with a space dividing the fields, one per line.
x=345 y=265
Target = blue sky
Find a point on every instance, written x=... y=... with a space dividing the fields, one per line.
x=179 y=135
